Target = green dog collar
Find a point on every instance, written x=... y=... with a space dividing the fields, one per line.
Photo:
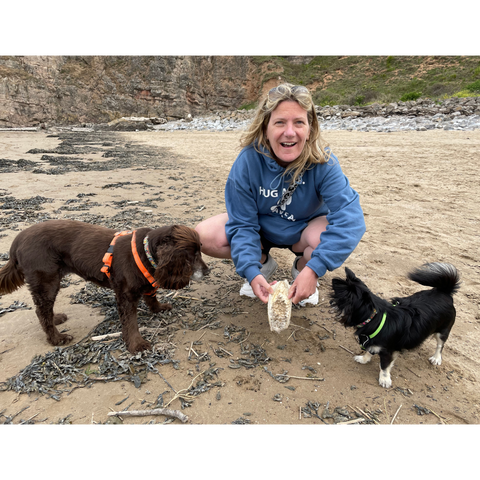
x=364 y=339
x=382 y=323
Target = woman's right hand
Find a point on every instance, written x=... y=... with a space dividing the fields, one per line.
x=261 y=288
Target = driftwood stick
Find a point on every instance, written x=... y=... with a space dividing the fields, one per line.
x=108 y=336
x=300 y=378
x=346 y=349
x=395 y=416
x=349 y=422
x=156 y=411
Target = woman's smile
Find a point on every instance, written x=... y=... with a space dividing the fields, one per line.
x=287 y=131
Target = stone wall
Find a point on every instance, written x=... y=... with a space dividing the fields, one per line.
x=72 y=90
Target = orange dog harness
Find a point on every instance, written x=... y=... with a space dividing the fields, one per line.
x=142 y=268
x=107 y=260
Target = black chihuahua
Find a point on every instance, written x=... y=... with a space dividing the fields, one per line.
x=387 y=328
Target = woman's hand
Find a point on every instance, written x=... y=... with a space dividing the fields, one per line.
x=303 y=286
x=261 y=288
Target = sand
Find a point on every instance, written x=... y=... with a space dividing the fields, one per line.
x=420 y=195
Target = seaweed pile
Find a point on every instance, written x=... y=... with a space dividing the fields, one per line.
x=70 y=367
x=13 y=166
x=69 y=155
x=66 y=368
x=14 y=306
x=22 y=211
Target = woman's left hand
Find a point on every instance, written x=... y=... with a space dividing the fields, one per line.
x=303 y=286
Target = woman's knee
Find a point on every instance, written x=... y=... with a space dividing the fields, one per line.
x=311 y=234
x=212 y=234
x=211 y=225
x=202 y=228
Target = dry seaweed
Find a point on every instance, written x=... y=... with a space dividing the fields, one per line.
x=421 y=410
x=14 y=306
x=66 y=368
x=33 y=203
x=241 y=421
x=70 y=155
x=80 y=365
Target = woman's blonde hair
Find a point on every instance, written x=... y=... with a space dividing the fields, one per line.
x=314 y=151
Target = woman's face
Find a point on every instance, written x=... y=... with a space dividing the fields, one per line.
x=287 y=131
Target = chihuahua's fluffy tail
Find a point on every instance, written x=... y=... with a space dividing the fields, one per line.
x=442 y=276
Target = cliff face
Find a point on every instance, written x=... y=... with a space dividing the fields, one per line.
x=94 y=89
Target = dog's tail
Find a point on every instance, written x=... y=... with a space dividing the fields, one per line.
x=10 y=278
x=442 y=276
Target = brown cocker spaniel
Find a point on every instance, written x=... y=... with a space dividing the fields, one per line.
x=43 y=254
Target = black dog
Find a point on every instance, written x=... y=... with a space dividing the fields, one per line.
x=387 y=328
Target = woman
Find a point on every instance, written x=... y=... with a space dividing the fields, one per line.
x=321 y=222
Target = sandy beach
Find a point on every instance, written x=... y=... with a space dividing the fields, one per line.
x=420 y=195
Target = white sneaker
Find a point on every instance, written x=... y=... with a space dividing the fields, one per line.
x=295 y=272
x=247 y=290
x=268 y=269
x=313 y=299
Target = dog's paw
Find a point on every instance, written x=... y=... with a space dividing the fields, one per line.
x=384 y=380
x=164 y=307
x=59 y=318
x=363 y=359
x=60 y=339
x=436 y=359
x=139 y=346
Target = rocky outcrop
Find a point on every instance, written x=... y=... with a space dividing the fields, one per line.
x=74 y=90
x=121 y=92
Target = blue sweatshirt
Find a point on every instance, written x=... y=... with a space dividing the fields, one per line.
x=255 y=184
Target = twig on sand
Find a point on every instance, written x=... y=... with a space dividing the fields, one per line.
x=346 y=349
x=156 y=411
x=395 y=416
x=300 y=378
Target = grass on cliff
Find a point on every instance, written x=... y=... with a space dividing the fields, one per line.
x=363 y=80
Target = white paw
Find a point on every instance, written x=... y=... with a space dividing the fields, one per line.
x=436 y=359
x=363 y=359
x=384 y=380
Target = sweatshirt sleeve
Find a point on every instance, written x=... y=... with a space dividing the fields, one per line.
x=346 y=223
x=242 y=228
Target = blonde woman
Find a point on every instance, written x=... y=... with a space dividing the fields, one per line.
x=285 y=190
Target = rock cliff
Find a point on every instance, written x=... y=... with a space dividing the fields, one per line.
x=95 y=89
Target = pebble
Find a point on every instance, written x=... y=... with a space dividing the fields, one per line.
x=394 y=123
x=400 y=123
x=422 y=115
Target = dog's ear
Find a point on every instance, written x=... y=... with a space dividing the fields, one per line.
x=174 y=267
x=160 y=236
x=350 y=275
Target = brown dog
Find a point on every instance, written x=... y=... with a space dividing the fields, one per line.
x=43 y=254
